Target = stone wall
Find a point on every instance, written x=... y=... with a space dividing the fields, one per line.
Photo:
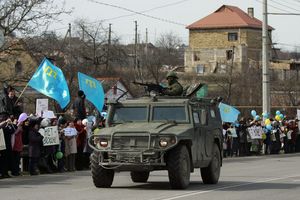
x=209 y=49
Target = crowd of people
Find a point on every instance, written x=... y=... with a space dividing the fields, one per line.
x=24 y=139
x=255 y=137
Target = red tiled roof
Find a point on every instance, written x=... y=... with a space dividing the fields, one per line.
x=227 y=17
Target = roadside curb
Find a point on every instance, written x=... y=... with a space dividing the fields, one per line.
x=253 y=158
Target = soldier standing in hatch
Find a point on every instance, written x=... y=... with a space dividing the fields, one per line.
x=174 y=87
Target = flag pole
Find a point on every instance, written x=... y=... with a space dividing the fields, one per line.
x=22 y=93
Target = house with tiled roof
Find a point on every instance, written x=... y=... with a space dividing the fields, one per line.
x=114 y=87
x=227 y=39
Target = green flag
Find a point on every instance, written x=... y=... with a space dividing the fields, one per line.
x=202 y=92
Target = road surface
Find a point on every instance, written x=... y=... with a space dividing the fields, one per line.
x=264 y=177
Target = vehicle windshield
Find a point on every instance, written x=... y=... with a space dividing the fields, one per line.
x=168 y=113
x=129 y=114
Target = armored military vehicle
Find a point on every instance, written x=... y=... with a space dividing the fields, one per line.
x=177 y=134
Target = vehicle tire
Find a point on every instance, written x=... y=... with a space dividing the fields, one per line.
x=211 y=174
x=102 y=178
x=179 y=167
x=139 y=177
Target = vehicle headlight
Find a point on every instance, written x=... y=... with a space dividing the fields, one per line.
x=100 y=142
x=163 y=142
x=103 y=142
x=167 y=141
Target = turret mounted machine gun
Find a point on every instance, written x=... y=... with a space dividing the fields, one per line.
x=151 y=87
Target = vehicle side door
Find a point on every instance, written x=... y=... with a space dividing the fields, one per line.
x=213 y=130
x=200 y=123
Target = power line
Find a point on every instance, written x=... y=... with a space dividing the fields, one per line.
x=128 y=15
x=144 y=11
x=294 y=4
x=289 y=45
x=138 y=13
x=275 y=7
x=284 y=5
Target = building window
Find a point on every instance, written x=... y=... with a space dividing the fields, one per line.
x=232 y=36
x=229 y=54
x=223 y=69
x=18 y=67
x=196 y=57
x=200 y=69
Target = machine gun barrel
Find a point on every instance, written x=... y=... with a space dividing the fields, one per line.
x=151 y=86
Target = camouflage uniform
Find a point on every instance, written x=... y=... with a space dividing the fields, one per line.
x=174 y=88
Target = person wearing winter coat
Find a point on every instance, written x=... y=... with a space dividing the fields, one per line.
x=6 y=154
x=70 y=135
x=35 y=145
x=79 y=106
x=17 y=143
x=11 y=104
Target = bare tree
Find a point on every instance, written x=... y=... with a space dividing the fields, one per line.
x=95 y=45
x=28 y=16
x=170 y=44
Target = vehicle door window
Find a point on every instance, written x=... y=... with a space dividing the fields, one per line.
x=203 y=117
x=212 y=113
x=196 y=117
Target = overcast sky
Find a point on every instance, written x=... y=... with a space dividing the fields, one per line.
x=182 y=12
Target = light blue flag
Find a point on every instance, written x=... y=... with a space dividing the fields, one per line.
x=50 y=81
x=92 y=89
x=228 y=113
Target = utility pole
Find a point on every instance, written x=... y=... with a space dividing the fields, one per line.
x=230 y=76
x=108 y=47
x=266 y=100
x=146 y=43
x=135 y=47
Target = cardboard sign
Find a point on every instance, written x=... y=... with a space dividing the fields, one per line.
x=233 y=132
x=2 y=140
x=51 y=136
x=255 y=132
x=41 y=105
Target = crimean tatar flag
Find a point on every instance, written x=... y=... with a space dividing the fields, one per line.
x=228 y=113
x=50 y=81
x=92 y=89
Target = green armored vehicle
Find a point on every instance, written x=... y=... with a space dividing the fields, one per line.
x=177 y=134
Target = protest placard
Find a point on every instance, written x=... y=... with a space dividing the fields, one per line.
x=255 y=132
x=232 y=132
x=41 y=105
x=51 y=136
x=2 y=140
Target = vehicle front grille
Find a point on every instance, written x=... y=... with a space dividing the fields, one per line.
x=126 y=141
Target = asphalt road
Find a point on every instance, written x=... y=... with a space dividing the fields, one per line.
x=260 y=178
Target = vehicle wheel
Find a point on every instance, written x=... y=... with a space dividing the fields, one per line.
x=139 y=177
x=102 y=178
x=211 y=174
x=179 y=167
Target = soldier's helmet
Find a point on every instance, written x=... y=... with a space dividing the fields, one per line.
x=172 y=74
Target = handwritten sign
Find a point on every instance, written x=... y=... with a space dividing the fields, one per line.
x=2 y=140
x=41 y=105
x=51 y=136
x=255 y=132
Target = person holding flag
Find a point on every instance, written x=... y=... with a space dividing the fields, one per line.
x=79 y=106
x=93 y=90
